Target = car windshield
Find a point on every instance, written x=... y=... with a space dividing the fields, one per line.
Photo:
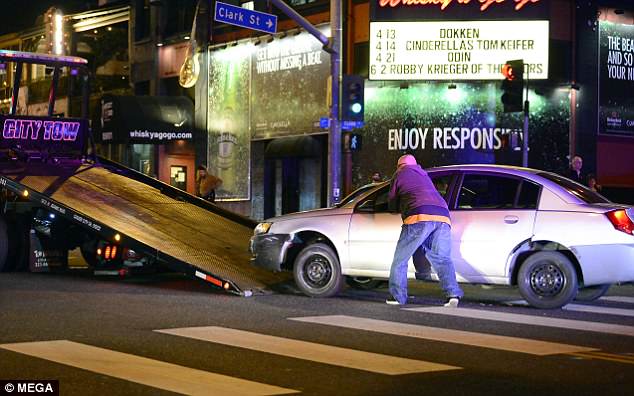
x=353 y=196
x=578 y=190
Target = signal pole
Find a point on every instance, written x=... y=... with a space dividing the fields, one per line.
x=334 y=136
x=525 y=140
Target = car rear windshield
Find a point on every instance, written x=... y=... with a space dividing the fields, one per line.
x=578 y=190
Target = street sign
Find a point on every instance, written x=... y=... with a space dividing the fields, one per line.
x=243 y=17
x=350 y=125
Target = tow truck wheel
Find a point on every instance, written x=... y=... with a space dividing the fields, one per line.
x=4 y=244
x=317 y=271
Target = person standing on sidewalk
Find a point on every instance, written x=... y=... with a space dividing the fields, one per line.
x=426 y=226
x=206 y=184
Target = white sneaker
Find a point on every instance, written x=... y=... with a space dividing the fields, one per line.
x=452 y=302
x=392 y=301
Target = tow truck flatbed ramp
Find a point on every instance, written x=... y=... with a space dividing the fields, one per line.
x=188 y=234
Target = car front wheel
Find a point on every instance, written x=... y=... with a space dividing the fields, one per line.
x=317 y=272
x=547 y=280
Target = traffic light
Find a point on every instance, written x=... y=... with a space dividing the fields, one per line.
x=352 y=105
x=513 y=86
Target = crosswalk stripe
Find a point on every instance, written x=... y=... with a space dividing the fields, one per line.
x=490 y=341
x=599 y=310
x=337 y=356
x=623 y=299
x=530 y=320
x=150 y=372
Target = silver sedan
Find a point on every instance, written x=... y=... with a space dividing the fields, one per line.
x=510 y=226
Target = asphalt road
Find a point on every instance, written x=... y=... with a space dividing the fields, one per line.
x=121 y=340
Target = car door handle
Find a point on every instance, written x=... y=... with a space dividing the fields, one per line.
x=511 y=219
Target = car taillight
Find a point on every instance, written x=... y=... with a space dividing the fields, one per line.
x=621 y=221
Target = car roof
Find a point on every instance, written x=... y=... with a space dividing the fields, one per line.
x=528 y=173
x=486 y=167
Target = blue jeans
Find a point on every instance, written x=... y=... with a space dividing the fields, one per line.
x=434 y=238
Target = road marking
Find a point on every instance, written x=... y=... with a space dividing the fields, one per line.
x=490 y=341
x=599 y=310
x=596 y=327
x=327 y=354
x=612 y=357
x=623 y=299
x=150 y=372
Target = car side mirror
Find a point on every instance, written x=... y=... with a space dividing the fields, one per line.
x=366 y=206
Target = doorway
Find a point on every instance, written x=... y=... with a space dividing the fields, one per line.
x=294 y=175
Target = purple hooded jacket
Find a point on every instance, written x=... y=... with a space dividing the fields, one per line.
x=413 y=193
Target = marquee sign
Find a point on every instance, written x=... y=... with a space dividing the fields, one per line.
x=452 y=50
x=405 y=10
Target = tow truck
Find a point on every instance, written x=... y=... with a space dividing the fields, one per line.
x=57 y=195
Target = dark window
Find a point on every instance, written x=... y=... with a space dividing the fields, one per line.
x=179 y=16
x=529 y=195
x=376 y=202
x=356 y=194
x=141 y=19
x=142 y=88
x=487 y=192
x=380 y=201
x=441 y=183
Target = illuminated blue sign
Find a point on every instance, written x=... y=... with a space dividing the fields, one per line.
x=243 y=17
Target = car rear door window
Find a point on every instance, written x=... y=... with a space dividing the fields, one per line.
x=496 y=192
x=442 y=183
x=528 y=196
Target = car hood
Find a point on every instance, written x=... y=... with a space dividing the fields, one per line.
x=310 y=213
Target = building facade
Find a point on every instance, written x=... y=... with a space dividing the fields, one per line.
x=433 y=83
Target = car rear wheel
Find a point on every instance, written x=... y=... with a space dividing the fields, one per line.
x=364 y=283
x=317 y=271
x=547 y=280
x=592 y=293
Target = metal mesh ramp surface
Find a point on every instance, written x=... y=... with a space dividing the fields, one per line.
x=182 y=230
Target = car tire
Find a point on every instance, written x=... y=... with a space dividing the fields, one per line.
x=591 y=293
x=4 y=245
x=547 y=280
x=364 y=283
x=317 y=271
